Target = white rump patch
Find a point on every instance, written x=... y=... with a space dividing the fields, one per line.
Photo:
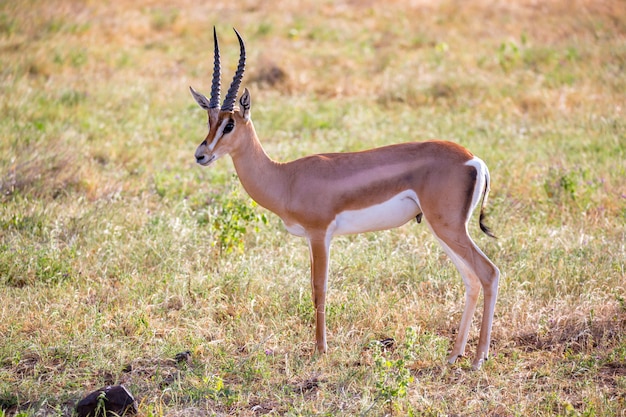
x=482 y=173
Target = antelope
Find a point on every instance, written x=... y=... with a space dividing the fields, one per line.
x=325 y=195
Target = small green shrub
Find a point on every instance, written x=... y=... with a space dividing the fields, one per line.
x=230 y=217
x=393 y=375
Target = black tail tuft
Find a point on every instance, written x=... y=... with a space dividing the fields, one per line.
x=481 y=219
x=484 y=228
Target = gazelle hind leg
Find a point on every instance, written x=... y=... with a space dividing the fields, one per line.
x=490 y=289
x=472 y=291
x=477 y=272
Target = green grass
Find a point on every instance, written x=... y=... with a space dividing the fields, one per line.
x=117 y=251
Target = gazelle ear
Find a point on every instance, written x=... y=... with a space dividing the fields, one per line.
x=244 y=102
x=200 y=99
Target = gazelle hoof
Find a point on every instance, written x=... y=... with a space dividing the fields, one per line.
x=321 y=349
x=477 y=363
x=453 y=357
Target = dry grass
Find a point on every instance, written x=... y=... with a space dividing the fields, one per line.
x=117 y=252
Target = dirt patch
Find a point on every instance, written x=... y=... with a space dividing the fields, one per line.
x=271 y=76
x=575 y=335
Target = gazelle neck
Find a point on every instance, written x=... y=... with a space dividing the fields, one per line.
x=258 y=173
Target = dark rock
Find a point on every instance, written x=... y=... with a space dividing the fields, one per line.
x=183 y=357
x=388 y=343
x=107 y=402
x=168 y=380
x=311 y=384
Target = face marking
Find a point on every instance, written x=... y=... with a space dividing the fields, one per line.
x=216 y=138
x=221 y=131
x=213 y=143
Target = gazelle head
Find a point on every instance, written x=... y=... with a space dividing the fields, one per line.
x=225 y=122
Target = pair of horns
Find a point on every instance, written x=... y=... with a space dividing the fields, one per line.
x=231 y=96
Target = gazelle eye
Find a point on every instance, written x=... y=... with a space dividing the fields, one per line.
x=229 y=127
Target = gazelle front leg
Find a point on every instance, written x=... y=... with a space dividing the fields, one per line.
x=319 y=246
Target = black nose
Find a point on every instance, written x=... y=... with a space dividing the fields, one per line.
x=200 y=158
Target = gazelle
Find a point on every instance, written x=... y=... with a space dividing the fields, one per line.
x=321 y=196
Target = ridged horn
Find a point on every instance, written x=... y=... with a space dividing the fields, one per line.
x=231 y=96
x=217 y=73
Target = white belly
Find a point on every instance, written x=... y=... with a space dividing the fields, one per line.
x=392 y=213
x=295 y=229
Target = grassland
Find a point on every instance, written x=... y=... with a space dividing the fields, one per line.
x=117 y=252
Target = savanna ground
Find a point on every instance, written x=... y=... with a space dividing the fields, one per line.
x=117 y=252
